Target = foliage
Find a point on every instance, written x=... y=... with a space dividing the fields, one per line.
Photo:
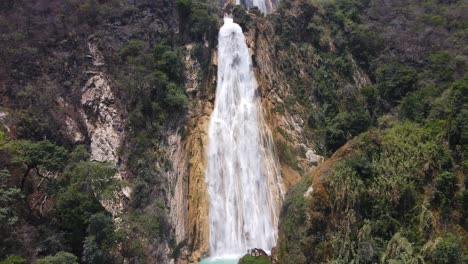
x=374 y=199
x=445 y=187
x=199 y=19
x=287 y=154
x=78 y=207
x=9 y=197
x=59 y=258
x=345 y=126
x=13 y=260
x=247 y=259
x=447 y=250
x=441 y=65
x=42 y=154
x=395 y=80
x=292 y=224
x=37 y=155
x=400 y=250
x=176 y=97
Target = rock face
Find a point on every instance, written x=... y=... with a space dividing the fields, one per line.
x=103 y=121
x=189 y=204
x=104 y=125
x=274 y=87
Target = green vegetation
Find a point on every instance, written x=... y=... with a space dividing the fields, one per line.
x=396 y=192
x=36 y=156
x=199 y=19
x=78 y=215
x=13 y=260
x=247 y=259
x=395 y=81
x=9 y=195
x=59 y=258
x=288 y=154
x=378 y=188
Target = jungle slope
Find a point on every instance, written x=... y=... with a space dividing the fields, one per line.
x=397 y=190
x=94 y=105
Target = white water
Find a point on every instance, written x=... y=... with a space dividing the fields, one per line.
x=266 y=6
x=243 y=180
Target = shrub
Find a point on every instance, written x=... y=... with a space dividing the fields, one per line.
x=202 y=23
x=13 y=260
x=447 y=250
x=9 y=198
x=131 y=49
x=400 y=250
x=413 y=108
x=176 y=97
x=345 y=126
x=247 y=259
x=59 y=258
x=435 y=20
x=441 y=65
x=184 y=8
x=395 y=80
x=445 y=187
x=287 y=155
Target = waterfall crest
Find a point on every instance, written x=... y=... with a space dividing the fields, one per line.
x=266 y=6
x=243 y=180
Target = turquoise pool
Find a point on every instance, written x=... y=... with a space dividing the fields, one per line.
x=220 y=260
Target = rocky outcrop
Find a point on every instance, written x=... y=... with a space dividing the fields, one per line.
x=186 y=150
x=102 y=115
x=102 y=118
x=286 y=126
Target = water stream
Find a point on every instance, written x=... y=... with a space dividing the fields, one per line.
x=243 y=180
x=265 y=6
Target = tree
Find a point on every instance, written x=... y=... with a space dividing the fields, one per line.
x=8 y=199
x=176 y=97
x=441 y=65
x=78 y=202
x=37 y=156
x=395 y=80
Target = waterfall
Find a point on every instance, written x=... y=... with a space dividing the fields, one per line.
x=266 y=6
x=243 y=180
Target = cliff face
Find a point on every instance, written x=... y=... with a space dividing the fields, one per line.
x=191 y=211
x=134 y=82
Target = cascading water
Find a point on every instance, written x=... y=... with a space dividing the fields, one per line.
x=243 y=181
x=266 y=6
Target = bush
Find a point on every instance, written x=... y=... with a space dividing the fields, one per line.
x=395 y=80
x=59 y=258
x=131 y=49
x=184 y=8
x=176 y=97
x=400 y=250
x=445 y=187
x=247 y=259
x=447 y=250
x=13 y=260
x=9 y=199
x=287 y=154
x=343 y=127
x=202 y=23
x=441 y=65
x=414 y=108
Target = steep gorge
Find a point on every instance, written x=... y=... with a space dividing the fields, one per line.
x=102 y=75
